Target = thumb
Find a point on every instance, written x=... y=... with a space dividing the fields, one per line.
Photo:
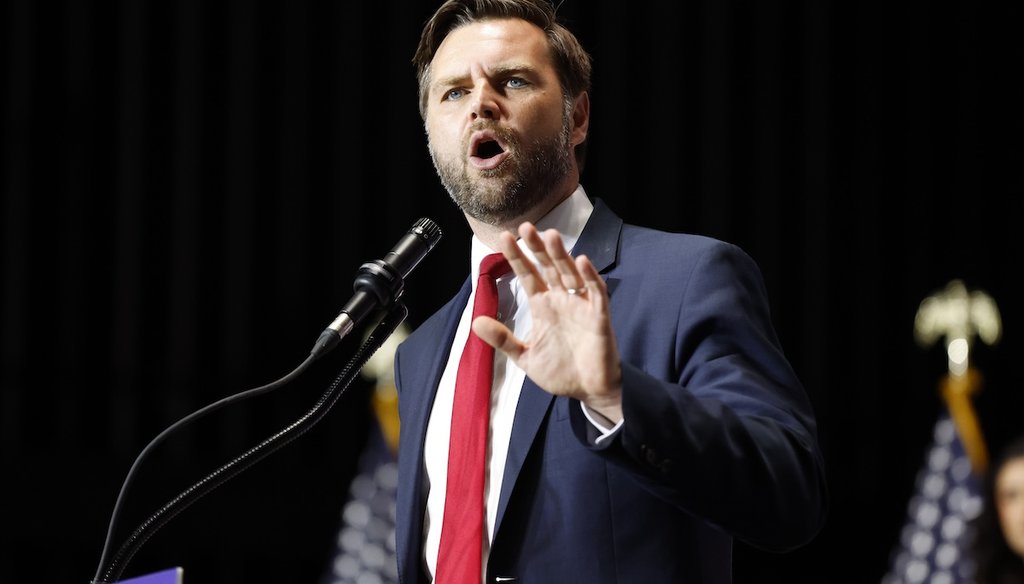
x=498 y=336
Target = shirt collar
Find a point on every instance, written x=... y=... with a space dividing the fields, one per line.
x=569 y=217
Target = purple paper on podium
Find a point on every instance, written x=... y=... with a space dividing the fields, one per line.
x=171 y=576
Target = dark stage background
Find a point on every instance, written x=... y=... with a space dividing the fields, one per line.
x=189 y=187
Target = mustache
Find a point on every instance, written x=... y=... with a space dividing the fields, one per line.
x=506 y=134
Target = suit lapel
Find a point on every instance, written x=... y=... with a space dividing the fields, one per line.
x=423 y=392
x=533 y=405
x=420 y=394
x=600 y=238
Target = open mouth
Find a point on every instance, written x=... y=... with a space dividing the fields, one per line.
x=487 y=150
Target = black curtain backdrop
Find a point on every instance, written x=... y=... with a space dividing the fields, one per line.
x=189 y=187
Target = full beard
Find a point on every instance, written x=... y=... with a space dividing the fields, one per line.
x=524 y=181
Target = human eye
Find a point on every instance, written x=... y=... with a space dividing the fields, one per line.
x=454 y=94
x=516 y=83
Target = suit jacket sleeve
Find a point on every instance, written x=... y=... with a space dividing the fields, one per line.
x=716 y=421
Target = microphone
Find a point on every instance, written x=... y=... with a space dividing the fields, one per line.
x=378 y=284
x=381 y=282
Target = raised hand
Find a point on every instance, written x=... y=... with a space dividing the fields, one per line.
x=571 y=347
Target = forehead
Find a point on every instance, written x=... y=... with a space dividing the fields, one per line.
x=490 y=44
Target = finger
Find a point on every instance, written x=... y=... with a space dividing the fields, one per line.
x=568 y=274
x=595 y=284
x=529 y=278
x=535 y=243
x=498 y=336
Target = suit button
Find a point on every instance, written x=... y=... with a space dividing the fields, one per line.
x=650 y=455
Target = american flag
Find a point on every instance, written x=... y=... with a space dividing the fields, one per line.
x=934 y=542
x=365 y=542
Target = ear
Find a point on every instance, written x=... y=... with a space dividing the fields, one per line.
x=580 y=118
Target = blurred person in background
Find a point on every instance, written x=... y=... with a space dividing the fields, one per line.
x=999 y=535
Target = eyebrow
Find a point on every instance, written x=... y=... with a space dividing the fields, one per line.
x=508 y=70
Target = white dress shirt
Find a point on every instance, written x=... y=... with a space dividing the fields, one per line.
x=569 y=217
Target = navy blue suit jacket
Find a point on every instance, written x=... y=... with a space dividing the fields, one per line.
x=719 y=440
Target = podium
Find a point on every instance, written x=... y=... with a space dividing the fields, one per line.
x=170 y=576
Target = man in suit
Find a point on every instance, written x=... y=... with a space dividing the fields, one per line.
x=642 y=414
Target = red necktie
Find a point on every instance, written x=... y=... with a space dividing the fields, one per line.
x=460 y=553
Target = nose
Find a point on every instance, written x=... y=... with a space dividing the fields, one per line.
x=486 y=104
